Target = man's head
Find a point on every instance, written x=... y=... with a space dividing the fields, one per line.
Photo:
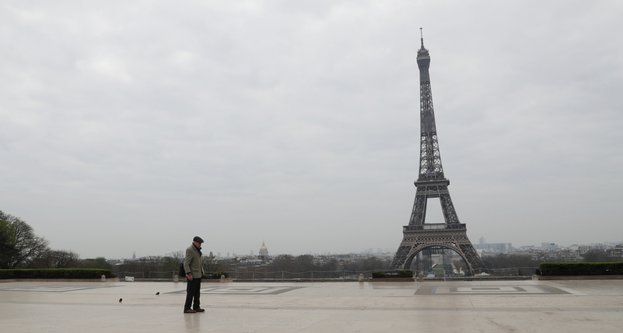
x=197 y=241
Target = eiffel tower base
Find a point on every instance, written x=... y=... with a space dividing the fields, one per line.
x=453 y=238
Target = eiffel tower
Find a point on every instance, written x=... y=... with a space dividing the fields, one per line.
x=431 y=183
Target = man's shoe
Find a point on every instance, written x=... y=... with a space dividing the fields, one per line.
x=189 y=311
x=200 y=310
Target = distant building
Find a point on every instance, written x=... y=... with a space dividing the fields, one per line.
x=549 y=247
x=494 y=248
x=616 y=251
x=583 y=249
x=250 y=261
x=565 y=255
x=263 y=251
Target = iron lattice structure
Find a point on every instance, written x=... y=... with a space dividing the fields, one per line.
x=432 y=183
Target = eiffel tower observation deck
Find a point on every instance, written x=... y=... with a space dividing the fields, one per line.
x=421 y=240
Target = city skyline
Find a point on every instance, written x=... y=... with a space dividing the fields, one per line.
x=132 y=127
x=390 y=252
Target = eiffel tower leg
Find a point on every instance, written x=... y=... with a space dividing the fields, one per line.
x=401 y=257
x=472 y=258
x=449 y=214
x=418 y=214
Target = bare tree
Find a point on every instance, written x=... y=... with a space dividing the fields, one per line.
x=22 y=245
x=56 y=259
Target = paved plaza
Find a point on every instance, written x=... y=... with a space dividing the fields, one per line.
x=483 y=306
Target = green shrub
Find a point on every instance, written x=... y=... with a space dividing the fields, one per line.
x=392 y=274
x=583 y=268
x=54 y=273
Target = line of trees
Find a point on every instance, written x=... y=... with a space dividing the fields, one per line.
x=145 y=266
x=599 y=255
x=21 y=248
x=307 y=262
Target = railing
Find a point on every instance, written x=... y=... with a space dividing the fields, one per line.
x=150 y=275
x=435 y=226
x=512 y=271
x=340 y=275
x=249 y=275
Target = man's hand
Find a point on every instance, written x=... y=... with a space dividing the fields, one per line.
x=189 y=276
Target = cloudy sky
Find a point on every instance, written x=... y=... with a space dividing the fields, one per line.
x=131 y=126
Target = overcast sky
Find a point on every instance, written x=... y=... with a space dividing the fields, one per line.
x=132 y=126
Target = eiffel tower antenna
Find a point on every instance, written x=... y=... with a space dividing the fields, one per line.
x=432 y=184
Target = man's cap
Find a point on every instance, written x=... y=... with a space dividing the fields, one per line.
x=197 y=239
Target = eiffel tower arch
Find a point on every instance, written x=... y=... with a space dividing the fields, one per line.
x=432 y=184
x=455 y=242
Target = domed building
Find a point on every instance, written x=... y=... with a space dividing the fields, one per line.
x=263 y=252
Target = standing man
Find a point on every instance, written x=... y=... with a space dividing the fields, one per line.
x=194 y=271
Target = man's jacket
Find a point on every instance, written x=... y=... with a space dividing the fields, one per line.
x=192 y=262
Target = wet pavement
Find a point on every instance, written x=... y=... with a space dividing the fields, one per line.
x=460 y=306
